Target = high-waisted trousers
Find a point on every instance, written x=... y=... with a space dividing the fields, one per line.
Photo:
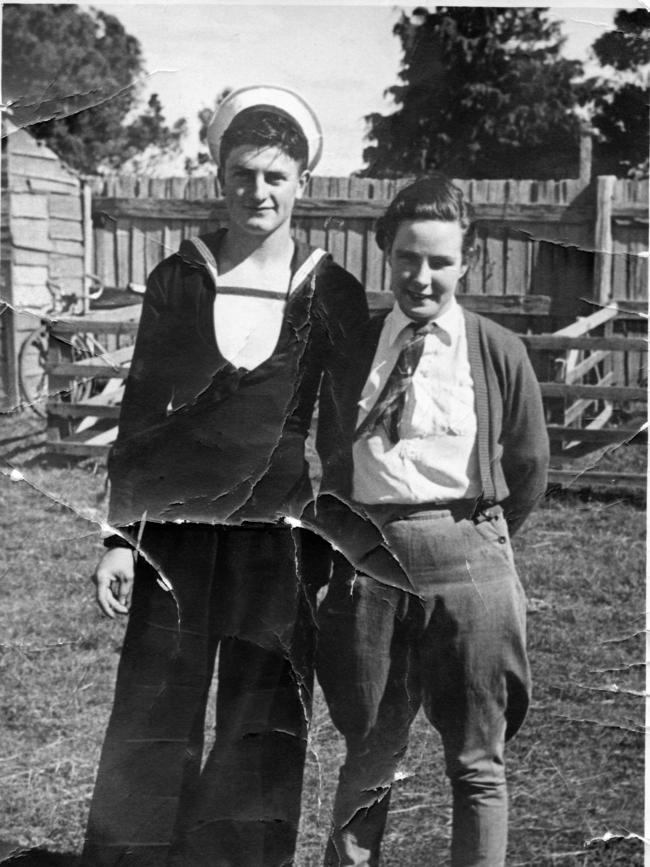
x=248 y=592
x=451 y=639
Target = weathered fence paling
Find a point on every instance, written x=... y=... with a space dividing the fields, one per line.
x=579 y=402
x=535 y=237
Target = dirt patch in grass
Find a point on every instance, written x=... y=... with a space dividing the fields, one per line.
x=575 y=770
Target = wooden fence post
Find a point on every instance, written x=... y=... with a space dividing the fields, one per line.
x=87 y=225
x=603 y=241
x=584 y=172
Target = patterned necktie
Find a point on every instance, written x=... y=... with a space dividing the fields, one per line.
x=389 y=406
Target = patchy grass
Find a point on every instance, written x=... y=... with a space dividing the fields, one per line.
x=575 y=770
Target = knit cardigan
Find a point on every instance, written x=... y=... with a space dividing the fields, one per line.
x=513 y=449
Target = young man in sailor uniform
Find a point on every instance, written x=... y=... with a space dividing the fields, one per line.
x=440 y=454
x=237 y=330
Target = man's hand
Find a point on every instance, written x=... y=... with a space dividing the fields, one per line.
x=113 y=579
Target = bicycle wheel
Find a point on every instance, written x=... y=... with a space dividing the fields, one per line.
x=32 y=376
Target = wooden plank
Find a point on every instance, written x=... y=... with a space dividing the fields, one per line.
x=576 y=411
x=39 y=185
x=300 y=232
x=62 y=268
x=202 y=187
x=67 y=230
x=28 y=206
x=619 y=258
x=592 y=435
x=584 y=324
x=516 y=278
x=173 y=237
x=355 y=252
x=321 y=205
x=630 y=211
x=75 y=448
x=336 y=224
x=317 y=224
x=31 y=234
x=19 y=141
x=21 y=256
x=493 y=262
x=473 y=281
x=99 y=321
x=602 y=418
x=69 y=248
x=30 y=275
x=511 y=305
x=593 y=392
x=99 y=438
x=177 y=187
x=126 y=185
x=154 y=251
x=127 y=328
x=58 y=352
x=44 y=168
x=83 y=409
x=122 y=253
x=65 y=207
x=611 y=479
x=110 y=396
x=551 y=341
x=603 y=237
x=113 y=365
x=104 y=243
x=626 y=190
x=584 y=366
x=574 y=276
x=87 y=231
x=96 y=440
x=137 y=272
x=631 y=309
x=157 y=188
x=35 y=297
x=637 y=283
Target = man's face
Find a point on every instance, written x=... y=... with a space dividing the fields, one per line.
x=426 y=261
x=260 y=188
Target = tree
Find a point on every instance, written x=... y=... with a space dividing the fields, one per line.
x=484 y=93
x=620 y=103
x=72 y=77
x=203 y=162
x=149 y=142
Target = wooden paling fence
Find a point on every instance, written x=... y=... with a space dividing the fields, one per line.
x=580 y=370
x=568 y=239
x=590 y=385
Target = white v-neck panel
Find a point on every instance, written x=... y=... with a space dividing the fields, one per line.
x=247 y=329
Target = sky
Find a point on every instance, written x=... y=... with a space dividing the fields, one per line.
x=340 y=57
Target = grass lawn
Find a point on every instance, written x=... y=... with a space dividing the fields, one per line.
x=576 y=769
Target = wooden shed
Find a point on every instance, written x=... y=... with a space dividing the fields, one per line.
x=42 y=235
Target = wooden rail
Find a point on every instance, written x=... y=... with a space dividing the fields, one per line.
x=338 y=209
x=585 y=380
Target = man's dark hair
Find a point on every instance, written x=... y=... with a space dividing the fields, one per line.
x=434 y=197
x=262 y=127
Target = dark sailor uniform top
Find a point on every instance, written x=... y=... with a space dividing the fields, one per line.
x=201 y=440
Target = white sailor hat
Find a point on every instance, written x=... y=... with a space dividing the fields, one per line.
x=278 y=99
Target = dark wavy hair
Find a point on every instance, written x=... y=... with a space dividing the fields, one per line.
x=433 y=197
x=262 y=127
